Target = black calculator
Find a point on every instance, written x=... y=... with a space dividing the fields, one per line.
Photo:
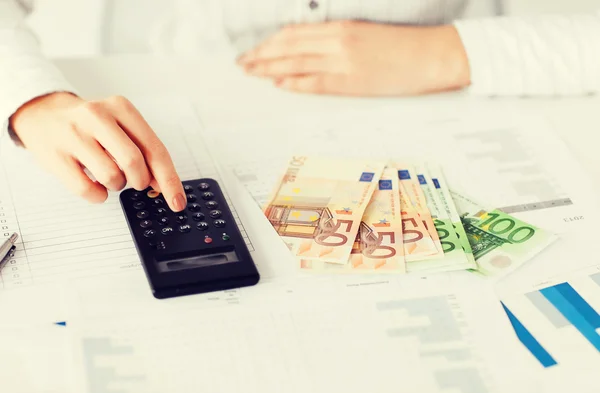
x=194 y=251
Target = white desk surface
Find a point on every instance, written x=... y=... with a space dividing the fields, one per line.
x=225 y=96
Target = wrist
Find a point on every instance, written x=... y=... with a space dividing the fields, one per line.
x=453 y=67
x=28 y=113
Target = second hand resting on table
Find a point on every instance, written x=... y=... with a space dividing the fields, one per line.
x=362 y=59
x=111 y=139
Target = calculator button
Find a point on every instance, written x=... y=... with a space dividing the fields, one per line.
x=146 y=224
x=188 y=189
x=212 y=204
x=204 y=186
x=202 y=226
x=191 y=197
x=153 y=194
x=136 y=196
x=181 y=218
x=142 y=214
x=194 y=207
x=139 y=205
x=161 y=211
x=163 y=221
x=198 y=217
x=226 y=237
x=149 y=232
x=207 y=240
x=219 y=223
x=158 y=202
x=208 y=195
x=185 y=228
x=166 y=231
x=215 y=214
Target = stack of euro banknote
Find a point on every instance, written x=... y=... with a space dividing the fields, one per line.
x=362 y=216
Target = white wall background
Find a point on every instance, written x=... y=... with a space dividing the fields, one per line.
x=64 y=34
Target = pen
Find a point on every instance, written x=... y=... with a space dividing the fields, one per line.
x=6 y=248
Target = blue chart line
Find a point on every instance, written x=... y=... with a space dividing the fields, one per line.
x=529 y=341
x=563 y=307
x=573 y=307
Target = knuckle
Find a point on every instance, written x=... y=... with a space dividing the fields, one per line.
x=94 y=108
x=142 y=182
x=84 y=189
x=343 y=25
x=113 y=177
x=120 y=102
x=261 y=68
x=132 y=160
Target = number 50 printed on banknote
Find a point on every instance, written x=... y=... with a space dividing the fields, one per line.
x=318 y=204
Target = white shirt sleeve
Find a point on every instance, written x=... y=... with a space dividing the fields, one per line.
x=533 y=56
x=24 y=72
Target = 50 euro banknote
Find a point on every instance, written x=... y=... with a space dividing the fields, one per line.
x=318 y=204
x=418 y=244
x=378 y=247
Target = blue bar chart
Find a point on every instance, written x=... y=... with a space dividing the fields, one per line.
x=559 y=323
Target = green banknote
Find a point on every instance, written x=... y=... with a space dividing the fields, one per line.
x=500 y=242
x=443 y=192
x=454 y=257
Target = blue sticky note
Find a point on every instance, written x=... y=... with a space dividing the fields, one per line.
x=422 y=179
x=436 y=183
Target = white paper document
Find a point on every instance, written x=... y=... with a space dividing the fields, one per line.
x=415 y=336
x=63 y=239
x=295 y=332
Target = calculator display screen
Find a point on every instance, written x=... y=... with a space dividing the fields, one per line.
x=177 y=262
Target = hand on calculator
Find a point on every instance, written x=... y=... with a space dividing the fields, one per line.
x=109 y=138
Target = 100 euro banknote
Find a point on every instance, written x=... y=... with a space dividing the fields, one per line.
x=318 y=204
x=378 y=247
x=501 y=243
